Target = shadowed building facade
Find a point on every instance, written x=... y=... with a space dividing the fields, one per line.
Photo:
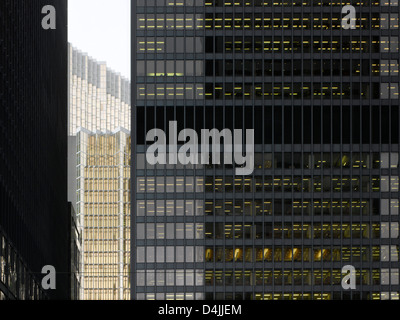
x=34 y=215
x=323 y=102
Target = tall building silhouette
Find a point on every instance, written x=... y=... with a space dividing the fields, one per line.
x=99 y=173
x=323 y=103
x=33 y=150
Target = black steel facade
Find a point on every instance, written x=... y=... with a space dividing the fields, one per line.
x=34 y=215
x=323 y=102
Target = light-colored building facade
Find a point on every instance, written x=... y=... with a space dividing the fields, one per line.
x=99 y=99
x=103 y=201
x=99 y=128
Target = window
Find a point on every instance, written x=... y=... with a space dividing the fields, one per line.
x=180 y=70
x=140 y=255
x=150 y=68
x=141 y=21
x=140 y=278
x=170 y=45
x=160 y=229
x=160 y=277
x=389 y=44
x=189 y=254
x=140 y=231
x=180 y=231
x=180 y=254
x=199 y=45
x=160 y=68
x=389 y=230
x=140 y=69
x=170 y=231
x=170 y=254
x=199 y=68
x=150 y=231
x=170 y=24
x=180 y=46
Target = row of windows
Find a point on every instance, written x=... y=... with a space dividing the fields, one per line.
x=266 y=68
x=389 y=21
x=269 y=184
x=178 y=277
x=170 y=296
x=104 y=170
x=170 y=45
x=190 y=254
x=104 y=262
x=299 y=207
x=267 y=230
x=239 y=44
x=325 y=160
x=258 y=21
x=304 y=45
x=103 y=184
x=304 y=295
x=170 y=184
x=297 y=44
x=280 y=124
x=169 y=231
x=169 y=254
x=106 y=294
x=178 y=3
x=170 y=68
x=296 y=3
x=97 y=196
x=297 y=90
x=321 y=296
x=300 y=184
x=260 y=3
x=169 y=21
x=106 y=245
x=302 y=253
x=96 y=157
x=110 y=234
x=170 y=91
x=109 y=270
x=289 y=277
x=103 y=215
x=250 y=277
x=389 y=90
x=103 y=282
x=298 y=160
x=259 y=91
x=292 y=254
x=292 y=21
x=170 y=208
x=299 y=67
x=393 y=3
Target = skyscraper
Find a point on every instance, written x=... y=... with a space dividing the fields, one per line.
x=103 y=201
x=99 y=98
x=323 y=103
x=99 y=173
x=33 y=150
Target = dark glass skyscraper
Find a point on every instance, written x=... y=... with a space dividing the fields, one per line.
x=323 y=102
x=34 y=215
